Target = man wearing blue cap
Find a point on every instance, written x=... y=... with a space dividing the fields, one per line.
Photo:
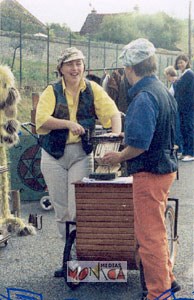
x=149 y=139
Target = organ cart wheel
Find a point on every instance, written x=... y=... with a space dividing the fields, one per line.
x=45 y=203
x=70 y=256
x=172 y=239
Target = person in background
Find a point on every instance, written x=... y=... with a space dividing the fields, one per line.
x=184 y=94
x=149 y=152
x=65 y=120
x=172 y=77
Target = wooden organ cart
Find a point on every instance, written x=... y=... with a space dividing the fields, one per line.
x=105 y=221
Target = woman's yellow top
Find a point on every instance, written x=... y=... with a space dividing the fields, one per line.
x=105 y=107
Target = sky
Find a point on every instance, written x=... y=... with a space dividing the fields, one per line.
x=74 y=12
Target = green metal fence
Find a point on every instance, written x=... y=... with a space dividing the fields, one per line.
x=33 y=57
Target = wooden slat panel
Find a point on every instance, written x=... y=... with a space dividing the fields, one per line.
x=105 y=213
x=125 y=219
x=104 y=206
x=104 y=242
x=103 y=195
x=106 y=255
x=98 y=188
x=111 y=248
x=107 y=201
x=103 y=225
x=105 y=222
x=102 y=229
x=105 y=236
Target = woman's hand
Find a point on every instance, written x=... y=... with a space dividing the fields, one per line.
x=75 y=128
x=113 y=134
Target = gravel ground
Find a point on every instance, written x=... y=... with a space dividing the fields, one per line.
x=28 y=262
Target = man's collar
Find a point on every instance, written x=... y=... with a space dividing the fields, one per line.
x=140 y=83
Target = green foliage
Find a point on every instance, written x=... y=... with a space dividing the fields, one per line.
x=182 y=44
x=163 y=30
x=77 y=36
x=58 y=30
x=15 y=24
x=118 y=29
x=13 y=15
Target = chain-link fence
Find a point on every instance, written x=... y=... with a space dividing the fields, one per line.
x=33 y=57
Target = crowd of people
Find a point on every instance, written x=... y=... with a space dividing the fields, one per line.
x=157 y=119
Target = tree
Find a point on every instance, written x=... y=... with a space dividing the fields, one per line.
x=163 y=30
x=118 y=29
x=58 y=30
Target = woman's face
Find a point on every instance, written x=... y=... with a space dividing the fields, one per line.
x=72 y=71
x=181 y=65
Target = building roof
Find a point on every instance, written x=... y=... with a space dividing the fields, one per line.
x=93 y=22
x=13 y=9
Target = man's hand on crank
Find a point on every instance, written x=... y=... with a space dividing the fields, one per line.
x=112 y=158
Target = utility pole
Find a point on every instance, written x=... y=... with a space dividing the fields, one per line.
x=189 y=31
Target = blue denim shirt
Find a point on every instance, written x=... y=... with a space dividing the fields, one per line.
x=141 y=117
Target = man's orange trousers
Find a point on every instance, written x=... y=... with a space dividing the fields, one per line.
x=150 y=194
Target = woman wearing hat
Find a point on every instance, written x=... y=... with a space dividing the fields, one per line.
x=66 y=111
x=149 y=137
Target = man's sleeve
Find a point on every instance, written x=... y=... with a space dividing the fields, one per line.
x=141 y=121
